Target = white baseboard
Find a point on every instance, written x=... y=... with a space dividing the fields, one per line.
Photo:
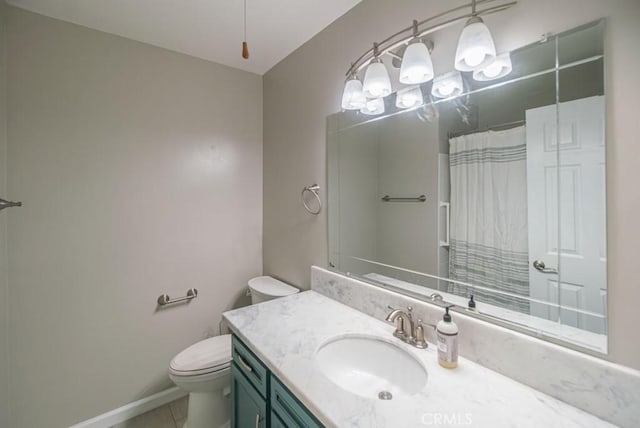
x=128 y=411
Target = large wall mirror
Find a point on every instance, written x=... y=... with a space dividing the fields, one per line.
x=497 y=193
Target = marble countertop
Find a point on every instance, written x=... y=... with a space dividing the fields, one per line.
x=286 y=333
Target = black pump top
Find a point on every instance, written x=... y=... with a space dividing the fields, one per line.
x=472 y=303
x=446 y=317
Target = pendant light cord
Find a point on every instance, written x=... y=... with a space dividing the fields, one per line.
x=245 y=46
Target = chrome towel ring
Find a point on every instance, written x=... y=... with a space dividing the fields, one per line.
x=314 y=188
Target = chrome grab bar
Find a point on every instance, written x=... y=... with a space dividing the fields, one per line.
x=421 y=198
x=540 y=266
x=164 y=299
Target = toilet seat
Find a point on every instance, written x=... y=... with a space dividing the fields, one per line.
x=207 y=356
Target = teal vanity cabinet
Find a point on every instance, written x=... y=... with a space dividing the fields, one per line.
x=259 y=399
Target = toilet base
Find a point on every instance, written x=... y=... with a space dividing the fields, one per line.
x=208 y=409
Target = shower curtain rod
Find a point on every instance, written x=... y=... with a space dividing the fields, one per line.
x=499 y=127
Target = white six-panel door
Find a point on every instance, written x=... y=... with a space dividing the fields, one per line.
x=580 y=220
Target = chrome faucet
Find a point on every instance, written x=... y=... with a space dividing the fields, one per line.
x=406 y=330
x=404 y=323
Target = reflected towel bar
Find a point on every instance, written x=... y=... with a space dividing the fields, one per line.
x=164 y=299
x=421 y=198
x=8 y=204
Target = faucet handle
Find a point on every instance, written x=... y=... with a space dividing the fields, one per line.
x=419 y=340
x=400 y=332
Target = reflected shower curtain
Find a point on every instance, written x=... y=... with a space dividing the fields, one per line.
x=489 y=216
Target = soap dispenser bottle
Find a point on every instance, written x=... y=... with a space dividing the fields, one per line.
x=472 y=304
x=447 y=335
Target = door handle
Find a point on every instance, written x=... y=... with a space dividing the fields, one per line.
x=258 y=420
x=540 y=266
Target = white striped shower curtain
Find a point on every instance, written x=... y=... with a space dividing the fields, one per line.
x=489 y=216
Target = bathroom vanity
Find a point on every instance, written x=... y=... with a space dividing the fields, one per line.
x=259 y=399
x=308 y=360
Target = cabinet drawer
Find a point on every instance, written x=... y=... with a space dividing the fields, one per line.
x=291 y=412
x=251 y=366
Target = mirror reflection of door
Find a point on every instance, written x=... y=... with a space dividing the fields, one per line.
x=576 y=228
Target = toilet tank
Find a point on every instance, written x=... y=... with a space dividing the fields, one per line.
x=264 y=288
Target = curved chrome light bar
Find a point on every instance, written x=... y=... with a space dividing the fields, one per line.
x=404 y=36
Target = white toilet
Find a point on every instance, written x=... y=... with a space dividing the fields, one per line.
x=204 y=369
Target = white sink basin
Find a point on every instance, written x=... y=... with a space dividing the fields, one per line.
x=371 y=367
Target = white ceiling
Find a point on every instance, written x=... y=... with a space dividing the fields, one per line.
x=208 y=29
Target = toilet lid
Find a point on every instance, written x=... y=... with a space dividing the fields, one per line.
x=206 y=356
x=269 y=286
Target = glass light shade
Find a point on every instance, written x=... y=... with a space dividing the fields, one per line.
x=447 y=85
x=416 y=66
x=373 y=107
x=475 y=46
x=409 y=97
x=376 y=81
x=499 y=67
x=353 y=98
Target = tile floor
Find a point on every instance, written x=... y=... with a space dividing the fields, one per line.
x=172 y=415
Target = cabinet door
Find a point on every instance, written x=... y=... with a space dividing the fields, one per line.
x=292 y=413
x=248 y=408
x=276 y=422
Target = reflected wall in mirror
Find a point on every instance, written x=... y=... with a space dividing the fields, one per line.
x=498 y=193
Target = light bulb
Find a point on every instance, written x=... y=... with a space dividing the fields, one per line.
x=496 y=69
x=373 y=107
x=474 y=57
x=409 y=97
x=416 y=66
x=475 y=47
x=376 y=81
x=447 y=89
x=492 y=70
x=353 y=98
x=447 y=85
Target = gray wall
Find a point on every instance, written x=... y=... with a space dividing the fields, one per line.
x=140 y=170
x=408 y=158
x=4 y=291
x=306 y=86
x=359 y=188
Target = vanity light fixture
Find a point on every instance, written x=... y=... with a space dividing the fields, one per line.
x=416 y=66
x=475 y=51
x=373 y=107
x=409 y=97
x=447 y=85
x=376 y=78
x=475 y=45
x=496 y=69
x=353 y=98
